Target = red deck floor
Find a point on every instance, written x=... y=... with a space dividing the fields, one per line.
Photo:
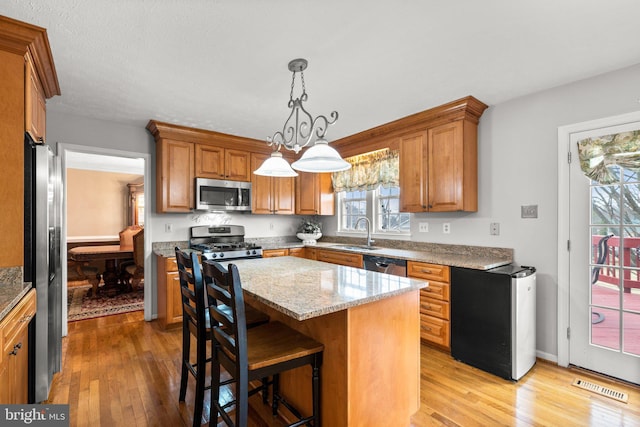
x=606 y=333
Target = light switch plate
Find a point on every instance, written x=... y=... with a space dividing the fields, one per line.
x=529 y=211
x=423 y=227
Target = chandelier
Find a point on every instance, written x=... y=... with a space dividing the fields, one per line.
x=299 y=131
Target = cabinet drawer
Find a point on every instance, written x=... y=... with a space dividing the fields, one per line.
x=270 y=253
x=427 y=271
x=434 y=330
x=171 y=264
x=298 y=252
x=434 y=307
x=437 y=290
x=19 y=317
x=342 y=258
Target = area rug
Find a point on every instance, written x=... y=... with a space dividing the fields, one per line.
x=81 y=306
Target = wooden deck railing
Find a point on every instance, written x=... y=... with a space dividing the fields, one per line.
x=610 y=270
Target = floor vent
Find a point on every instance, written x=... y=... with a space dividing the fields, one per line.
x=604 y=391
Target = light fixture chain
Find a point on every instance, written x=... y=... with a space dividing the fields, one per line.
x=304 y=90
x=293 y=80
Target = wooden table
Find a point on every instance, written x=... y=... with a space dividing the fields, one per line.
x=369 y=323
x=110 y=254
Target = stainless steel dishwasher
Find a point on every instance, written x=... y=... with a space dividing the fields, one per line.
x=394 y=266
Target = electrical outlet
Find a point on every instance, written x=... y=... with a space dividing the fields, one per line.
x=446 y=228
x=494 y=229
x=423 y=227
x=530 y=211
x=168 y=228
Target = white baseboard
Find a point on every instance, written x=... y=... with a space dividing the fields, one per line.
x=547 y=356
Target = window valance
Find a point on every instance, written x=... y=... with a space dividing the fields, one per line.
x=368 y=171
x=597 y=155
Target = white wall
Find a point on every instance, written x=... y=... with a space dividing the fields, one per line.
x=517 y=166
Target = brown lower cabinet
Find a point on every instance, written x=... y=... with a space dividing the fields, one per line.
x=435 y=325
x=169 y=296
x=310 y=253
x=14 y=360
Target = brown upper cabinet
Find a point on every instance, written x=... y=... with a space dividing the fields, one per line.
x=314 y=194
x=438 y=155
x=183 y=154
x=220 y=163
x=438 y=170
x=35 y=112
x=174 y=176
x=271 y=195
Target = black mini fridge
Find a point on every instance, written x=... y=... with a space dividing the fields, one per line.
x=493 y=321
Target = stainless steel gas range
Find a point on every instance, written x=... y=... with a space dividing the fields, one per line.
x=222 y=242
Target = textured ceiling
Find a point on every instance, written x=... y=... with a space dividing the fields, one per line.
x=222 y=64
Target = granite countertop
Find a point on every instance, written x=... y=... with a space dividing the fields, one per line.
x=454 y=259
x=303 y=289
x=475 y=257
x=12 y=289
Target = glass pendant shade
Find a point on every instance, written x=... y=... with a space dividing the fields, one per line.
x=275 y=166
x=321 y=158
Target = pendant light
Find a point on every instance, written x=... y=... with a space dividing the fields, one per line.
x=301 y=130
x=275 y=165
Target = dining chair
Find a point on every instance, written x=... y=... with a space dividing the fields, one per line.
x=196 y=322
x=253 y=354
x=132 y=272
x=126 y=236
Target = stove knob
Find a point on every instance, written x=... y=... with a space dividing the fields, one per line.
x=214 y=255
x=221 y=254
x=254 y=252
x=249 y=252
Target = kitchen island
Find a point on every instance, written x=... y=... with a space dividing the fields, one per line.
x=369 y=325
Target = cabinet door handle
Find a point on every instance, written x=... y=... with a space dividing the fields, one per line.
x=427 y=306
x=426 y=328
x=15 y=349
x=426 y=270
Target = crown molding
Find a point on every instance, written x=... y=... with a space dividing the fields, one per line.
x=468 y=108
x=22 y=39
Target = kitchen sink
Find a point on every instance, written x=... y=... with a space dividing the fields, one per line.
x=357 y=247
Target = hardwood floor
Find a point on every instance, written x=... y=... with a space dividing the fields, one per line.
x=122 y=371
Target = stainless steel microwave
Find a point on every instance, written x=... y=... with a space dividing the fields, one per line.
x=222 y=195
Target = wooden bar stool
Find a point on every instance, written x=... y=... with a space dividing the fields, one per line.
x=196 y=322
x=256 y=353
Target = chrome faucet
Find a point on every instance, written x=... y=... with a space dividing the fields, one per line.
x=369 y=241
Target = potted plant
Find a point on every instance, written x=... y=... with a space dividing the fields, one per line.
x=309 y=232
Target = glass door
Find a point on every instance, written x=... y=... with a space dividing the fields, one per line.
x=604 y=261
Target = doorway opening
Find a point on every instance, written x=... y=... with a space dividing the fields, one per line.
x=103 y=243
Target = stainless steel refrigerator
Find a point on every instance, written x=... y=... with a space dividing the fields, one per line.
x=42 y=264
